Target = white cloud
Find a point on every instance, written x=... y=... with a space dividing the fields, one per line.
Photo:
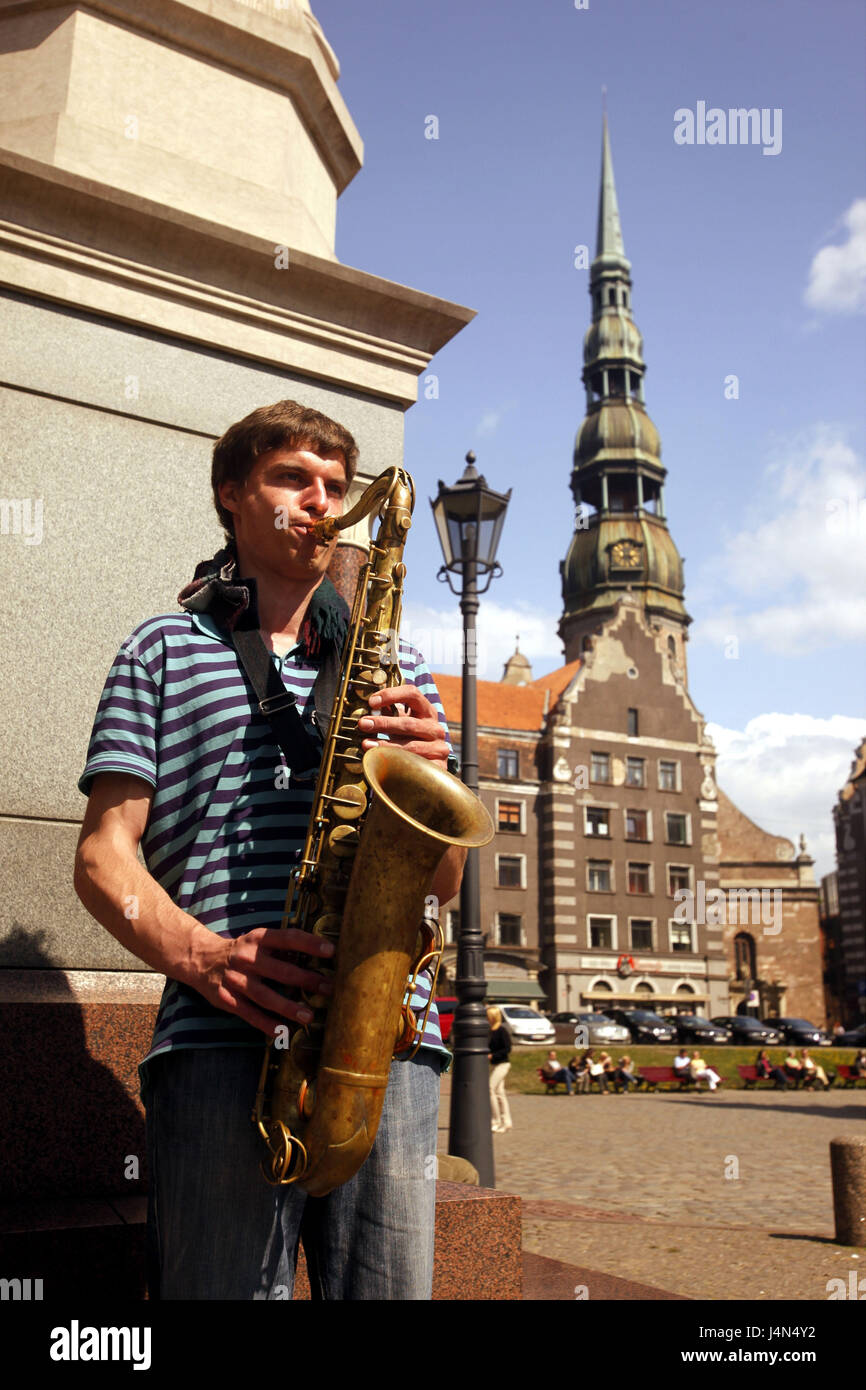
x=837 y=275
x=784 y=771
x=489 y=422
x=794 y=576
x=438 y=633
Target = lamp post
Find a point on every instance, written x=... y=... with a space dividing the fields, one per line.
x=469 y=517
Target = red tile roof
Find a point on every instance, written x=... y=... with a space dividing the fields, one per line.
x=502 y=706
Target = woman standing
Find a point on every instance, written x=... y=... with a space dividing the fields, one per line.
x=498 y=1049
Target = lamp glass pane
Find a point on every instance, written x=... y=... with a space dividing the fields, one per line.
x=455 y=539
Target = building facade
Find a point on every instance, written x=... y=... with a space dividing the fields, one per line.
x=849 y=816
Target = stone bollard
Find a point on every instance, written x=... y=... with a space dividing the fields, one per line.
x=454 y=1169
x=848 y=1172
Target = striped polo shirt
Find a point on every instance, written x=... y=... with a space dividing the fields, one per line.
x=228 y=821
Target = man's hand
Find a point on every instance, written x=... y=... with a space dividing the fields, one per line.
x=419 y=730
x=237 y=975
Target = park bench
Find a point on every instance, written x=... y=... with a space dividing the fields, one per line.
x=844 y=1074
x=659 y=1076
x=807 y=1080
x=749 y=1075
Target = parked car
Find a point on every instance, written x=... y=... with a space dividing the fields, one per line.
x=644 y=1026
x=694 y=1028
x=527 y=1026
x=598 y=1029
x=854 y=1037
x=800 y=1032
x=446 y=1009
x=746 y=1031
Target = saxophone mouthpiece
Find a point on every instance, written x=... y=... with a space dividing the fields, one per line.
x=326 y=529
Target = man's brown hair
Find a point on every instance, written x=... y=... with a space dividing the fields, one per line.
x=283 y=425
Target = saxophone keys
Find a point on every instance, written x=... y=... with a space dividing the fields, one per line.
x=329 y=926
x=370 y=676
x=343 y=841
x=306 y=1050
x=351 y=802
x=307 y=1099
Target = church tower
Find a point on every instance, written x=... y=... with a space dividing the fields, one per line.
x=621 y=544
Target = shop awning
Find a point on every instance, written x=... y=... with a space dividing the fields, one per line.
x=502 y=991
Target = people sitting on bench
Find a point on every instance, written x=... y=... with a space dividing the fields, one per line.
x=625 y=1075
x=766 y=1071
x=793 y=1067
x=699 y=1071
x=553 y=1070
x=682 y=1065
x=813 y=1070
x=579 y=1068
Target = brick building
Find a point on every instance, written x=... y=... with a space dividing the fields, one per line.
x=849 y=815
x=619 y=875
x=774 y=945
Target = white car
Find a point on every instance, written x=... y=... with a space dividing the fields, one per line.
x=527 y=1026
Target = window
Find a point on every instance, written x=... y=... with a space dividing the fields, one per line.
x=636 y=825
x=641 y=935
x=598 y=876
x=507 y=762
x=669 y=780
x=509 y=815
x=679 y=878
x=744 y=956
x=677 y=828
x=452 y=925
x=510 y=929
x=509 y=870
x=600 y=767
x=638 y=878
x=597 y=820
x=634 y=772
x=681 y=936
x=601 y=933
x=632 y=723
x=457 y=750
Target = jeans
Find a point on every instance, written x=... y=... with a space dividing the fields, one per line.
x=500 y=1113
x=218 y=1230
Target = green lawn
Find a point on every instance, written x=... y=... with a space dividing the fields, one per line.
x=525 y=1061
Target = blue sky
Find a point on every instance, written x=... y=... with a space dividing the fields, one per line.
x=734 y=273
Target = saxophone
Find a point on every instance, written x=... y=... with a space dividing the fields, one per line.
x=380 y=823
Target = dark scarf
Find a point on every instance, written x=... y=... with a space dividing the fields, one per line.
x=232 y=602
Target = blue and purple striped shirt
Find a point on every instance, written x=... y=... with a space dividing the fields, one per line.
x=227 y=821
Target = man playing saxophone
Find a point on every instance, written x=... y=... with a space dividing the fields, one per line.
x=183 y=766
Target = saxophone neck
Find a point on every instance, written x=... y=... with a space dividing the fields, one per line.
x=375 y=496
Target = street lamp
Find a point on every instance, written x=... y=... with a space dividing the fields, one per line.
x=469 y=517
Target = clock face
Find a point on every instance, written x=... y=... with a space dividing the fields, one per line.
x=626 y=555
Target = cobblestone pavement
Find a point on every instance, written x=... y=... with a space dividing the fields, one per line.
x=711 y=1196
